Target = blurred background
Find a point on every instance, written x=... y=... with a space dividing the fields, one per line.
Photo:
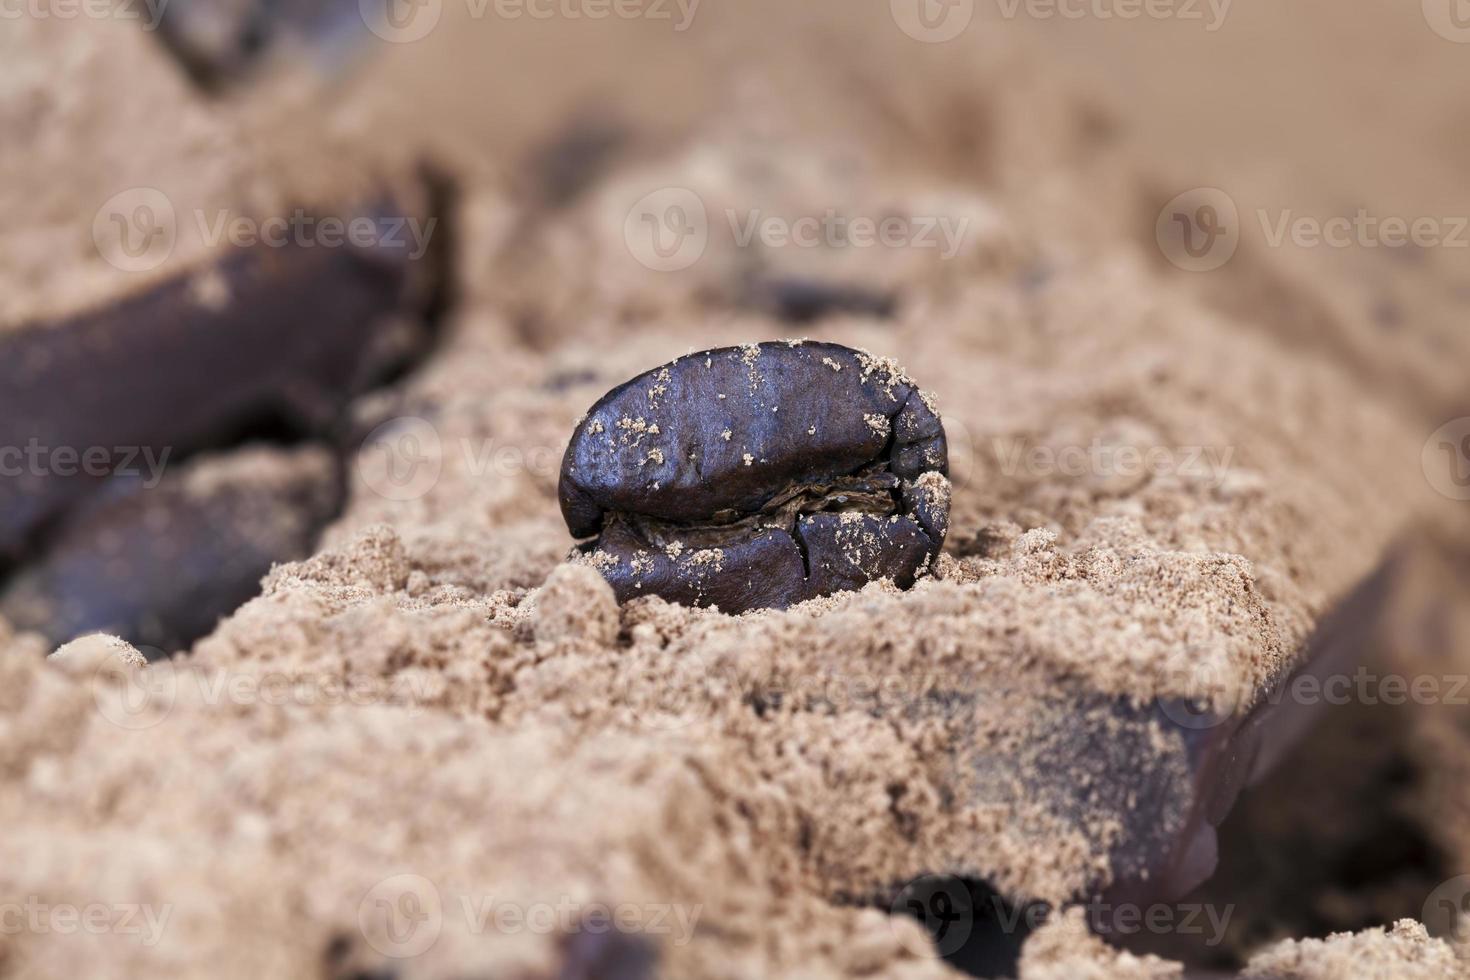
x=244 y=240
x=1294 y=167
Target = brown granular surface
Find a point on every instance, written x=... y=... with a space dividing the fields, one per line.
x=1403 y=952
x=100 y=646
x=103 y=84
x=13 y=643
x=1064 y=949
x=439 y=715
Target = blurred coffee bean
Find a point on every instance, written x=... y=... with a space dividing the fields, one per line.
x=607 y=954
x=574 y=159
x=158 y=564
x=221 y=43
x=759 y=476
x=805 y=300
x=273 y=338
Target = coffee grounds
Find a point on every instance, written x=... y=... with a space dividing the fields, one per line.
x=1403 y=952
x=527 y=744
x=1065 y=949
x=214 y=163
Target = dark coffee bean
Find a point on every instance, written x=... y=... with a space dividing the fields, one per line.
x=161 y=372
x=758 y=477
x=600 y=955
x=561 y=170
x=796 y=300
x=161 y=565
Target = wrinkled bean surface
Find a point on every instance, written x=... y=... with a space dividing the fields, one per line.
x=758 y=477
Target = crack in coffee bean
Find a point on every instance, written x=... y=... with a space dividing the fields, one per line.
x=759 y=477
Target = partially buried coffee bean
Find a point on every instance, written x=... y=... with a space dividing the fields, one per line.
x=758 y=477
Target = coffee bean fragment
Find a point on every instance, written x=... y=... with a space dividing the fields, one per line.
x=759 y=477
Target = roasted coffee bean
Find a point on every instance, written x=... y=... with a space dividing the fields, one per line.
x=297 y=333
x=758 y=477
x=161 y=565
